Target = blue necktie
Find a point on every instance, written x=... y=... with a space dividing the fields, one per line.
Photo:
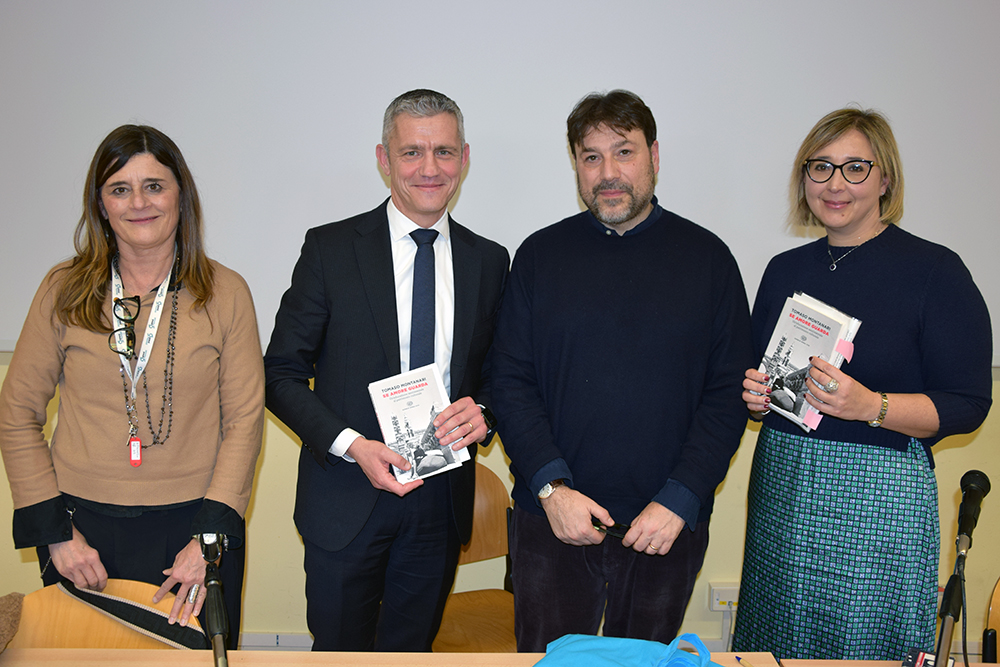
x=422 y=315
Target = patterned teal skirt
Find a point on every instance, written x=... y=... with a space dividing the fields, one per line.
x=842 y=550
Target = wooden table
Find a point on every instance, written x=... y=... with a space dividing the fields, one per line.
x=91 y=657
x=755 y=659
x=78 y=657
x=843 y=663
x=863 y=663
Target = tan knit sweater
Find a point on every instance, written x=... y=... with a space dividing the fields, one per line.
x=218 y=406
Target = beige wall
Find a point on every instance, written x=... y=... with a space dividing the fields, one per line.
x=275 y=602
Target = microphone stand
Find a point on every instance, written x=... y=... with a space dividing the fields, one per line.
x=975 y=486
x=951 y=608
x=216 y=619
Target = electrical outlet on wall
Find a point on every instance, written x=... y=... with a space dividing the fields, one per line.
x=720 y=595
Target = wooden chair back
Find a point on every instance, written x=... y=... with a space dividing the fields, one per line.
x=489 y=521
x=482 y=621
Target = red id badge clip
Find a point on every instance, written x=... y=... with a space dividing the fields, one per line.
x=135 y=451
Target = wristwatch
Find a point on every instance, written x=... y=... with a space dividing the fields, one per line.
x=491 y=423
x=875 y=423
x=547 y=490
x=212 y=546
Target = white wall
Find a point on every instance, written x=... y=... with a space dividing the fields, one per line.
x=277 y=107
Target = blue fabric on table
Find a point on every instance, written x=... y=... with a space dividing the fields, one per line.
x=591 y=651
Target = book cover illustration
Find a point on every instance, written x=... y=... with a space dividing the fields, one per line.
x=406 y=405
x=806 y=328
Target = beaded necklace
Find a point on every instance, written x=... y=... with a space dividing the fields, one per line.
x=166 y=405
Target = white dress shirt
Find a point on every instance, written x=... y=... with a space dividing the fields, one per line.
x=404 y=251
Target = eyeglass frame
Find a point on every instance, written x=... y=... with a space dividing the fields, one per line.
x=870 y=163
x=129 y=328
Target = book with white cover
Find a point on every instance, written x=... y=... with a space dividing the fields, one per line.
x=406 y=405
x=806 y=328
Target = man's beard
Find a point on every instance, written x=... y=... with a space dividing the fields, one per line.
x=636 y=204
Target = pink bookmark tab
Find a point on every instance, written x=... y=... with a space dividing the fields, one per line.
x=812 y=419
x=845 y=348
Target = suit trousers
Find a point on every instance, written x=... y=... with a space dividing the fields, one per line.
x=385 y=591
x=562 y=589
x=141 y=547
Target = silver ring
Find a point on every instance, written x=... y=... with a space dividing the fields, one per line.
x=831 y=386
x=193 y=593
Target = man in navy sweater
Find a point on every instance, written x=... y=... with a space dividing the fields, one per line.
x=617 y=367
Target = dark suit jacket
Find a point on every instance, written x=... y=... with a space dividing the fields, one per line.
x=337 y=325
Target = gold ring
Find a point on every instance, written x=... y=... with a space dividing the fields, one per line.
x=471 y=427
x=652 y=547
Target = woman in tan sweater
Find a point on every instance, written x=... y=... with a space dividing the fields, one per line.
x=155 y=351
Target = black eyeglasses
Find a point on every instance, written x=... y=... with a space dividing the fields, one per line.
x=123 y=311
x=854 y=172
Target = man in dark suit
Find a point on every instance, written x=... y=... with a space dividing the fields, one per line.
x=380 y=556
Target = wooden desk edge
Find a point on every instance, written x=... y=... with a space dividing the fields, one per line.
x=64 y=657
x=862 y=663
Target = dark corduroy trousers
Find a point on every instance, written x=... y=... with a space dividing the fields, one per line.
x=562 y=589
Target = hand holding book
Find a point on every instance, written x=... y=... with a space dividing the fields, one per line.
x=412 y=408
x=756 y=392
x=850 y=400
x=787 y=380
x=460 y=424
x=378 y=462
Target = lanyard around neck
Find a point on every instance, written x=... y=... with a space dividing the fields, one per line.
x=118 y=292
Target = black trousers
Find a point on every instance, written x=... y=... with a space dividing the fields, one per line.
x=385 y=591
x=561 y=589
x=140 y=548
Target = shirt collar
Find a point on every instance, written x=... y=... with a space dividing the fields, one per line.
x=400 y=226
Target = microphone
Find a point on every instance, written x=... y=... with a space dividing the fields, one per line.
x=975 y=486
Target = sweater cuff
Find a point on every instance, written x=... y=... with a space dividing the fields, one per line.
x=216 y=517
x=555 y=469
x=681 y=501
x=42 y=524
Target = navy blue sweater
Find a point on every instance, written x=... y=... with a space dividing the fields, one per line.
x=619 y=360
x=924 y=328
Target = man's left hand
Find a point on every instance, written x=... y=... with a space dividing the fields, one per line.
x=654 y=530
x=460 y=424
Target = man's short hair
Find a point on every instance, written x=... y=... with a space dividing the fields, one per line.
x=421 y=103
x=620 y=111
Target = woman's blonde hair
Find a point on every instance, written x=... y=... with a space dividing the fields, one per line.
x=831 y=127
x=84 y=283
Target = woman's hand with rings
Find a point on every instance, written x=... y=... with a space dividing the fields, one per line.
x=835 y=393
x=188 y=571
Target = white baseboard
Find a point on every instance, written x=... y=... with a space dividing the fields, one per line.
x=275 y=642
x=303 y=642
